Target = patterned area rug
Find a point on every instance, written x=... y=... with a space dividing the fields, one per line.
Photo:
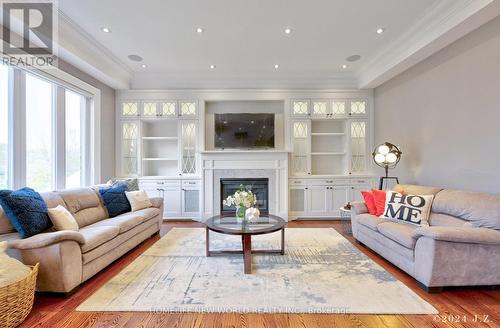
x=321 y=272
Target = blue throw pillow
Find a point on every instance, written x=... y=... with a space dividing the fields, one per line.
x=27 y=211
x=115 y=200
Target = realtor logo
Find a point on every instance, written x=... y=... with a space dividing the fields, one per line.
x=28 y=33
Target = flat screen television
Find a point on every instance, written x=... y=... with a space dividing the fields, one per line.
x=244 y=131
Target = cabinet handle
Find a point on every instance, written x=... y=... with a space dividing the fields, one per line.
x=306 y=188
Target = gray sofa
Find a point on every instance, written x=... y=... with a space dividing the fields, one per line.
x=68 y=258
x=460 y=248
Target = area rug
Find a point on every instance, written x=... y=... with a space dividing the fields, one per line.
x=321 y=272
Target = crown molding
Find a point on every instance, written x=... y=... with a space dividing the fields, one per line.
x=446 y=22
x=342 y=80
x=80 y=49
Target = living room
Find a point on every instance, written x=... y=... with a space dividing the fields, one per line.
x=249 y=164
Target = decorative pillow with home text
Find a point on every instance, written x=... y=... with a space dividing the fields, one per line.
x=414 y=209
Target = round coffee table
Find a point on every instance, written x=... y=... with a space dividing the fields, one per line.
x=231 y=226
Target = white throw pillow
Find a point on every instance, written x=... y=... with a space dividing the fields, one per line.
x=11 y=270
x=62 y=219
x=138 y=200
x=414 y=209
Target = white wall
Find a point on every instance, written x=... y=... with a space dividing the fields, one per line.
x=107 y=119
x=445 y=115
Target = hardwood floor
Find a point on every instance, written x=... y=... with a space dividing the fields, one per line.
x=458 y=308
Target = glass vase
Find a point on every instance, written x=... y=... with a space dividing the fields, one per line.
x=240 y=212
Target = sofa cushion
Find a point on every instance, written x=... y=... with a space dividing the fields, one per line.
x=480 y=209
x=85 y=205
x=124 y=222
x=96 y=236
x=370 y=221
x=5 y=224
x=116 y=241
x=406 y=189
x=115 y=200
x=53 y=199
x=131 y=183
x=26 y=210
x=399 y=232
x=379 y=196
x=147 y=213
x=445 y=220
x=414 y=209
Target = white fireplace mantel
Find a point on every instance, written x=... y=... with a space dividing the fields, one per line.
x=272 y=164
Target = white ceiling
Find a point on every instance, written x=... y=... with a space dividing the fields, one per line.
x=245 y=39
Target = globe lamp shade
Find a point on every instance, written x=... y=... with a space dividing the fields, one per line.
x=386 y=155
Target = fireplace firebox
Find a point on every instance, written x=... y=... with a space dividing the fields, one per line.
x=258 y=186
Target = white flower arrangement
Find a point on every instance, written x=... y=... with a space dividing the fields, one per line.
x=241 y=198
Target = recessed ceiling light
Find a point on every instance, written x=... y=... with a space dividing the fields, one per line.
x=144 y=65
x=380 y=30
x=200 y=30
x=288 y=30
x=105 y=29
x=344 y=66
x=212 y=66
x=276 y=66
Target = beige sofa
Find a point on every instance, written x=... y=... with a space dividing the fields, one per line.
x=453 y=251
x=68 y=258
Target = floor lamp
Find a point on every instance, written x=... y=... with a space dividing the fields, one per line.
x=387 y=156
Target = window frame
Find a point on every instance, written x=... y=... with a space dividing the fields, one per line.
x=91 y=154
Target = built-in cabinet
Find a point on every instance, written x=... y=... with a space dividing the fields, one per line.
x=159 y=145
x=329 y=139
x=181 y=197
x=329 y=142
x=322 y=197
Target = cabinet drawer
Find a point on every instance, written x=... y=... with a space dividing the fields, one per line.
x=329 y=182
x=191 y=183
x=297 y=182
x=360 y=181
x=150 y=184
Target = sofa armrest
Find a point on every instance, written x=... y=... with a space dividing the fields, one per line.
x=359 y=208
x=46 y=239
x=459 y=234
x=157 y=202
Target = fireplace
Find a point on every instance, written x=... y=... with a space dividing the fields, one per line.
x=258 y=186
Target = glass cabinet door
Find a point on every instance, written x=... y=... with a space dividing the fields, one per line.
x=130 y=109
x=188 y=147
x=320 y=109
x=150 y=109
x=190 y=202
x=130 y=136
x=339 y=108
x=298 y=200
x=358 y=139
x=358 y=108
x=168 y=109
x=301 y=147
x=187 y=109
x=300 y=107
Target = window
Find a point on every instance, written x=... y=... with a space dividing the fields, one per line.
x=46 y=125
x=39 y=134
x=74 y=130
x=4 y=127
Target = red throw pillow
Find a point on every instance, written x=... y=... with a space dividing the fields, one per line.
x=379 y=196
x=370 y=202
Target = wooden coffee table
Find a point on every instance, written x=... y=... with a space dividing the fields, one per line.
x=231 y=226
